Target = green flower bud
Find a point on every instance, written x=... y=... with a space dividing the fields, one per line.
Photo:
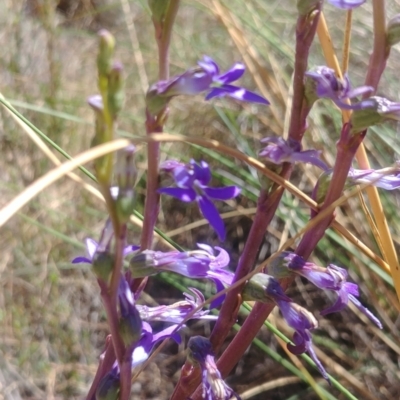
x=130 y=327
x=100 y=126
x=158 y=9
x=263 y=288
x=103 y=264
x=108 y=388
x=116 y=93
x=393 y=31
x=106 y=51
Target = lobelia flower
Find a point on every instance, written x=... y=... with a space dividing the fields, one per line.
x=331 y=278
x=322 y=82
x=99 y=255
x=374 y=111
x=377 y=178
x=347 y=4
x=177 y=312
x=302 y=321
x=205 y=77
x=200 y=354
x=280 y=150
x=192 y=180
x=196 y=264
x=266 y=289
x=148 y=340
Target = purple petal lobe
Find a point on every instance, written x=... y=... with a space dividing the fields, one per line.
x=78 y=260
x=211 y=214
x=346 y=4
x=232 y=75
x=187 y=195
x=223 y=193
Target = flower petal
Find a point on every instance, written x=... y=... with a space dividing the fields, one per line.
x=347 y=4
x=222 y=193
x=184 y=194
x=211 y=214
x=237 y=93
x=202 y=172
x=78 y=260
x=233 y=74
x=365 y=311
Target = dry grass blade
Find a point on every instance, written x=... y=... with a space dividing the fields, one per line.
x=52 y=176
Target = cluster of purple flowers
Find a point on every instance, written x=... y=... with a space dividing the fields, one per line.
x=192 y=184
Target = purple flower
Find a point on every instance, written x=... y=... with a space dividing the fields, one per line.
x=280 y=150
x=200 y=353
x=347 y=4
x=177 y=312
x=205 y=77
x=208 y=78
x=322 y=82
x=192 y=181
x=377 y=178
x=266 y=289
x=196 y=264
x=302 y=321
x=331 y=278
x=148 y=340
x=92 y=247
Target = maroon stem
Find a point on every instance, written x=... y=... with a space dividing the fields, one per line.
x=346 y=150
x=105 y=365
x=163 y=32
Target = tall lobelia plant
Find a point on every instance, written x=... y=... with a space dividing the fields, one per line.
x=123 y=269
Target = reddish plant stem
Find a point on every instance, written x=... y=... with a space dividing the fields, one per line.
x=380 y=52
x=346 y=150
x=105 y=365
x=163 y=32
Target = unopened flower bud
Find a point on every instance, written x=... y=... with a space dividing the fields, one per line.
x=103 y=264
x=393 y=31
x=130 y=327
x=106 y=51
x=116 y=94
x=126 y=174
x=108 y=388
x=263 y=288
x=158 y=9
x=96 y=103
